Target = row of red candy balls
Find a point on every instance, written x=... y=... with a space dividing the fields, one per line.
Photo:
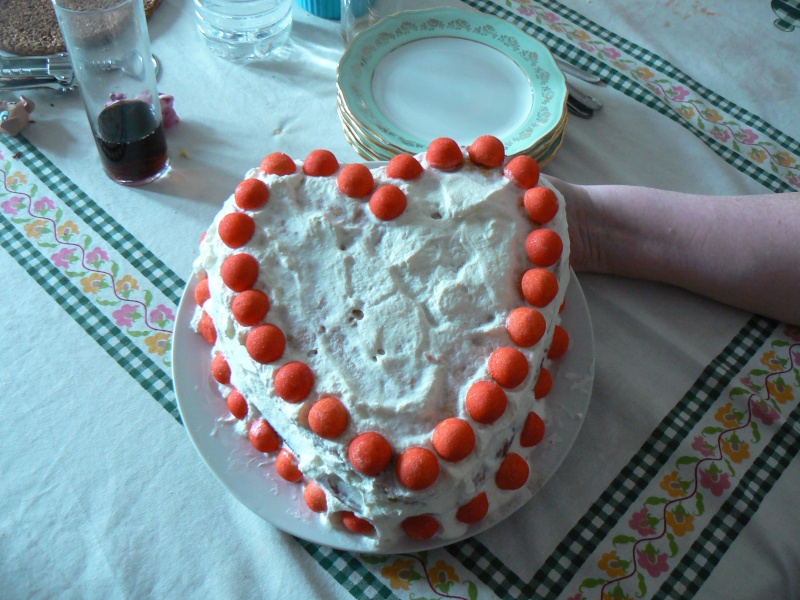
x=453 y=439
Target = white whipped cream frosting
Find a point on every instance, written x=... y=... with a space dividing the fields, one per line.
x=397 y=319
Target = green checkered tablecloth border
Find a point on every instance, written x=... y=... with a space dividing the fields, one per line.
x=625 y=83
x=697 y=564
x=663 y=66
x=98 y=326
x=139 y=256
x=348 y=571
x=579 y=543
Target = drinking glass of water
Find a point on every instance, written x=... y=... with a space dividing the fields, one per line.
x=109 y=47
x=244 y=30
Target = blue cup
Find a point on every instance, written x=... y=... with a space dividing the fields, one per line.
x=327 y=9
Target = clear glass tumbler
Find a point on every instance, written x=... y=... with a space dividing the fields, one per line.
x=358 y=15
x=109 y=47
x=244 y=30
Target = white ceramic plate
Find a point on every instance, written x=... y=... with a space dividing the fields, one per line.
x=253 y=481
x=370 y=148
x=445 y=72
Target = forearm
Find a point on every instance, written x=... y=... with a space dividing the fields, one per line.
x=744 y=251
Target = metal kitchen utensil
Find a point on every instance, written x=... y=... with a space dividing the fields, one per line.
x=585 y=99
x=18 y=73
x=578 y=72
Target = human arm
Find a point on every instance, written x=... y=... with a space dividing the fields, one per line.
x=740 y=250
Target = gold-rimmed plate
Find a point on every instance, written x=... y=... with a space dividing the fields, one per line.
x=446 y=72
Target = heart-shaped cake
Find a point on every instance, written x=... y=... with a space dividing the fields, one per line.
x=381 y=332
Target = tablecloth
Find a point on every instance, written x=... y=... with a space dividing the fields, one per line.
x=683 y=479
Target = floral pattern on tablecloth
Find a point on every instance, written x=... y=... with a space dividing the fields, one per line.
x=425 y=575
x=95 y=269
x=745 y=146
x=659 y=528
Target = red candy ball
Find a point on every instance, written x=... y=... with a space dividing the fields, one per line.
x=250 y=307
x=560 y=343
x=278 y=163
x=286 y=466
x=474 y=510
x=263 y=436
x=239 y=272
x=539 y=286
x=320 y=163
x=525 y=326
x=201 y=293
x=508 y=367
x=315 y=498
x=522 y=171
x=420 y=527
x=356 y=524
x=541 y=204
x=355 y=181
x=513 y=472
x=486 y=402
x=388 y=202
x=293 y=381
x=369 y=453
x=206 y=328
x=220 y=369
x=543 y=385
x=417 y=468
x=533 y=431
x=487 y=151
x=544 y=247
x=236 y=229
x=445 y=154
x=453 y=439
x=404 y=166
x=265 y=343
x=328 y=418
x=237 y=404
x=251 y=194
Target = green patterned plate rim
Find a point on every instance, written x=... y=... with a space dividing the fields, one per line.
x=362 y=57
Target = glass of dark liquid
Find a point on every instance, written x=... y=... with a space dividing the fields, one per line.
x=109 y=47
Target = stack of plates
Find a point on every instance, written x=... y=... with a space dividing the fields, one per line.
x=423 y=74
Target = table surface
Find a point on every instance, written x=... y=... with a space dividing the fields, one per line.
x=683 y=480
